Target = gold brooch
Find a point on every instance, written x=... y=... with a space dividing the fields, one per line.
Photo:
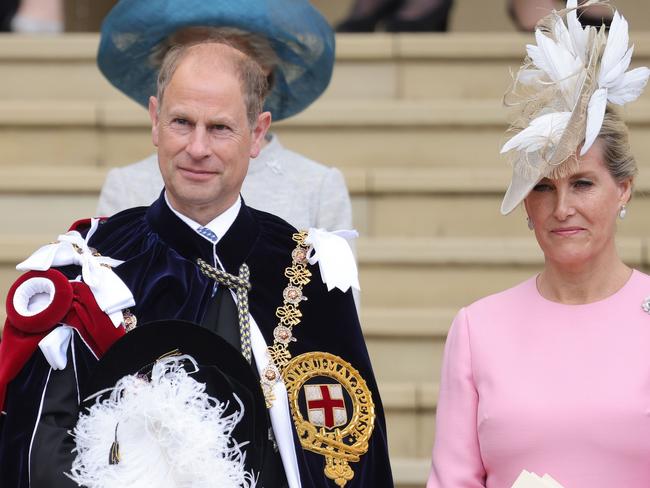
x=338 y=414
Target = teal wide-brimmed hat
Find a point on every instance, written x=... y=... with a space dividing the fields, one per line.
x=301 y=38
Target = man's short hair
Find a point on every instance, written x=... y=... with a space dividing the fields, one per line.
x=253 y=45
x=252 y=79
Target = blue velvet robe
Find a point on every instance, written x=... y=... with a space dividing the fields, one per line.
x=159 y=253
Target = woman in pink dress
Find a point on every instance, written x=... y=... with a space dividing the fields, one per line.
x=553 y=375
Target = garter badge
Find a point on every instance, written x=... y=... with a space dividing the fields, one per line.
x=332 y=410
x=325 y=405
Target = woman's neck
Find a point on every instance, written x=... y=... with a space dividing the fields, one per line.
x=584 y=282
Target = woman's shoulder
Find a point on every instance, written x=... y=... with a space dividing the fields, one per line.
x=518 y=297
x=640 y=278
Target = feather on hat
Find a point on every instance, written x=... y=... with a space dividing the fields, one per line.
x=561 y=93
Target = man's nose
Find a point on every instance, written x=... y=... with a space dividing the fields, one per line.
x=198 y=146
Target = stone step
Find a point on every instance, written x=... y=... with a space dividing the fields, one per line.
x=403 y=66
x=439 y=202
x=410 y=416
x=360 y=133
x=410 y=472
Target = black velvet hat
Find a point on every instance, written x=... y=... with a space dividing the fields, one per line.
x=138 y=360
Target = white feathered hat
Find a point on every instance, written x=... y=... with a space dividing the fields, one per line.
x=174 y=406
x=561 y=93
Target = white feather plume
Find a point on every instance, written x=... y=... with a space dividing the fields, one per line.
x=542 y=131
x=629 y=87
x=622 y=86
x=171 y=434
x=615 y=83
x=559 y=64
x=562 y=36
x=595 y=116
x=579 y=35
x=617 y=56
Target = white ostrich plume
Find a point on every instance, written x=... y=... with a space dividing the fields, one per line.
x=562 y=92
x=170 y=433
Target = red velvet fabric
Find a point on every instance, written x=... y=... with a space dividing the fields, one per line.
x=80 y=225
x=73 y=305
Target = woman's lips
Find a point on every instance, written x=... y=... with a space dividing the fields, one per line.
x=567 y=231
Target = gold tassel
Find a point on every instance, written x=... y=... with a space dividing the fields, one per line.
x=114 y=456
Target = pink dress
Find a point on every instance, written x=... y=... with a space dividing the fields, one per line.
x=560 y=389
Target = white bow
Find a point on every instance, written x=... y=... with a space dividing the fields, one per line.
x=338 y=268
x=110 y=292
x=54 y=346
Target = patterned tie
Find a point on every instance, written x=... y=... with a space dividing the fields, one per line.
x=205 y=232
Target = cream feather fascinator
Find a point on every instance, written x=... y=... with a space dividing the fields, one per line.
x=560 y=95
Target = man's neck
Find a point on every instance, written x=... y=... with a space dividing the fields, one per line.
x=219 y=224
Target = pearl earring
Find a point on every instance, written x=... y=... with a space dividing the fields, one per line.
x=622 y=212
x=530 y=223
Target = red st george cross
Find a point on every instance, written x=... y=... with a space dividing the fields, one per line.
x=325 y=405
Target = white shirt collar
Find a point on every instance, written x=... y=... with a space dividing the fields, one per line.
x=219 y=225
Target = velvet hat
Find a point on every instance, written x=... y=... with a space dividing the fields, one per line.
x=171 y=398
x=302 y=40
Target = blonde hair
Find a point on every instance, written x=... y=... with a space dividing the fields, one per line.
x=616 y=147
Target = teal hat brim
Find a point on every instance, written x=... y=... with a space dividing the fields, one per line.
x=300 y=36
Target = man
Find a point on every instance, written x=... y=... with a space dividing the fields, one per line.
x=180 y=255
x=295 y=47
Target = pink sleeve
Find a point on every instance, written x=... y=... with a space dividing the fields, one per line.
x=456 y=456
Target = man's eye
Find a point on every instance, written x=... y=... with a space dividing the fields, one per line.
x=219 y=127
x=179 y=121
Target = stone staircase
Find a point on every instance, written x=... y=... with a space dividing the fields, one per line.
x=415 y=123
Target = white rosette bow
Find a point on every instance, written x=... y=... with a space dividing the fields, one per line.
x=110 y=292
x=332 y=252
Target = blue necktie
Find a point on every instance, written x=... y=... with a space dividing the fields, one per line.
x=205 y=232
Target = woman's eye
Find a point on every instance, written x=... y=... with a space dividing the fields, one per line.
x=542 y=187
x=583 y=184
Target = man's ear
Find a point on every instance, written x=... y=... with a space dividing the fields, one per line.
x=153 y=115
x=259 y=132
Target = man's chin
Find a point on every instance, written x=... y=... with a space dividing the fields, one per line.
x=189 y=200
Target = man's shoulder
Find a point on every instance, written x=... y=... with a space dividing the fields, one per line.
x=123 y=226
x=271 y=224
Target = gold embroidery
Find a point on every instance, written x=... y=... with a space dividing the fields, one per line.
x=340 y=446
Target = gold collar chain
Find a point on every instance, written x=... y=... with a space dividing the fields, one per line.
x=289 y=315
